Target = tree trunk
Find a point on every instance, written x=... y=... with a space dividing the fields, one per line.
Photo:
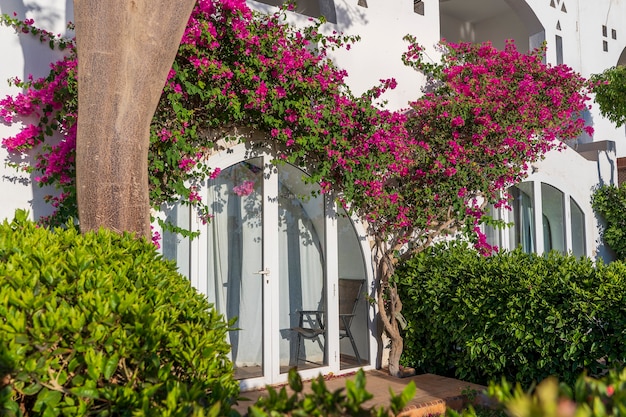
x=125 y=51
x=389 y=306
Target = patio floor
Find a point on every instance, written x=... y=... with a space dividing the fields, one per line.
x=434 y=393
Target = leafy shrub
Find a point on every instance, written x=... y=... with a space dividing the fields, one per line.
x=100 y=324
x=587 y=397
x=610 y=202
x=521 y=316
x=322 y=402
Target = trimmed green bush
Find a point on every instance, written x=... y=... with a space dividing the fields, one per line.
x=610 y=202
x=517 y=315
x=99 y=324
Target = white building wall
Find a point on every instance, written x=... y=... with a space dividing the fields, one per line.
x=379 y=53
x=378 y=56
x=593 y=58
x=24 y=55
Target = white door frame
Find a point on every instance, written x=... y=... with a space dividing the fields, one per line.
x=271 y=352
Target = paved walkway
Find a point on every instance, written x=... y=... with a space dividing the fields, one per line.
x=434 y=393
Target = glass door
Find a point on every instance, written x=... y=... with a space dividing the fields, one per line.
x=303 y=312
x=235 y=269
x=266 y=268
x=272 y=258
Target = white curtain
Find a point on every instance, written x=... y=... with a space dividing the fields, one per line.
x=301 y=269
x=528 y=223
x=235 y=256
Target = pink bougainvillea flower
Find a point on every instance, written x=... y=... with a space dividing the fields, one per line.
x=244 y=189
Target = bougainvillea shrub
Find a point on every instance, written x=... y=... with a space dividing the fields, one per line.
x=413 y=174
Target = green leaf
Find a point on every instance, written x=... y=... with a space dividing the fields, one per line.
x=86 y=392
x=111 y=366
x=31 y=389
x=47 y=400
x=295 y=381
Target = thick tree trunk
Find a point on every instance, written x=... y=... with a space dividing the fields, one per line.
x=389 y=306
x=391 y=327
x=125 y=50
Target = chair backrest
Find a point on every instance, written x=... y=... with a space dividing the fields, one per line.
x=349 y=294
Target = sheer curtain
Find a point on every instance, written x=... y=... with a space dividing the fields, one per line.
x=235 y=256
x=523 y=231
x=528 y=224
x=301 y=263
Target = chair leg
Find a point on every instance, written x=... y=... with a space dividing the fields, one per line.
x=356 y=351
x=298 y=350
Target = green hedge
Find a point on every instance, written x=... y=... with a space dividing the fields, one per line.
x=610 y=202
x=516 y=315
x=99 y=324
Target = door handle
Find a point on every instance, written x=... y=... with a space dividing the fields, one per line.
x=263 y=272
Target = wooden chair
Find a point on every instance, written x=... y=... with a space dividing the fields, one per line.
x=310 y=326
x=311 y=322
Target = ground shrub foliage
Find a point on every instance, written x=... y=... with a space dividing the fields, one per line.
x=515 y=315
x=99 y=324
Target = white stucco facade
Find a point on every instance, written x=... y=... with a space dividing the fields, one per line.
x=23 y=55
x=284 y=274
x=592 y=38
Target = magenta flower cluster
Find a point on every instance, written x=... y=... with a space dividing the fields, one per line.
x=411 y=174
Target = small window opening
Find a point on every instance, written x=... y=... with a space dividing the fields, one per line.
x=613 y=34
x=418 y=7
x=604 y=29
x=559 y=50
x=605 y=46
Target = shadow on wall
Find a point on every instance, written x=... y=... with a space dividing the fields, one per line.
x=347 y=17
x=37 y=57
x=336 y=12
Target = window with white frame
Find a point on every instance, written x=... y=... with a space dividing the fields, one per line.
x=313 y=8
x=541 y=218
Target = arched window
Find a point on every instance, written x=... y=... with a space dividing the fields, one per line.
x=542 y=218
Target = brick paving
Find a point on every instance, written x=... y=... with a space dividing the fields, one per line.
x=434 y=393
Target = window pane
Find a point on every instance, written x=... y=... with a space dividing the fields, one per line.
x=234 y=257
x=559 y=50
x=175 y=246
x=522 y=233
x=578 y=229
x=353 y=305
x=492 y=233
x=313 y=8
x=302 y=299
x=553 y=218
